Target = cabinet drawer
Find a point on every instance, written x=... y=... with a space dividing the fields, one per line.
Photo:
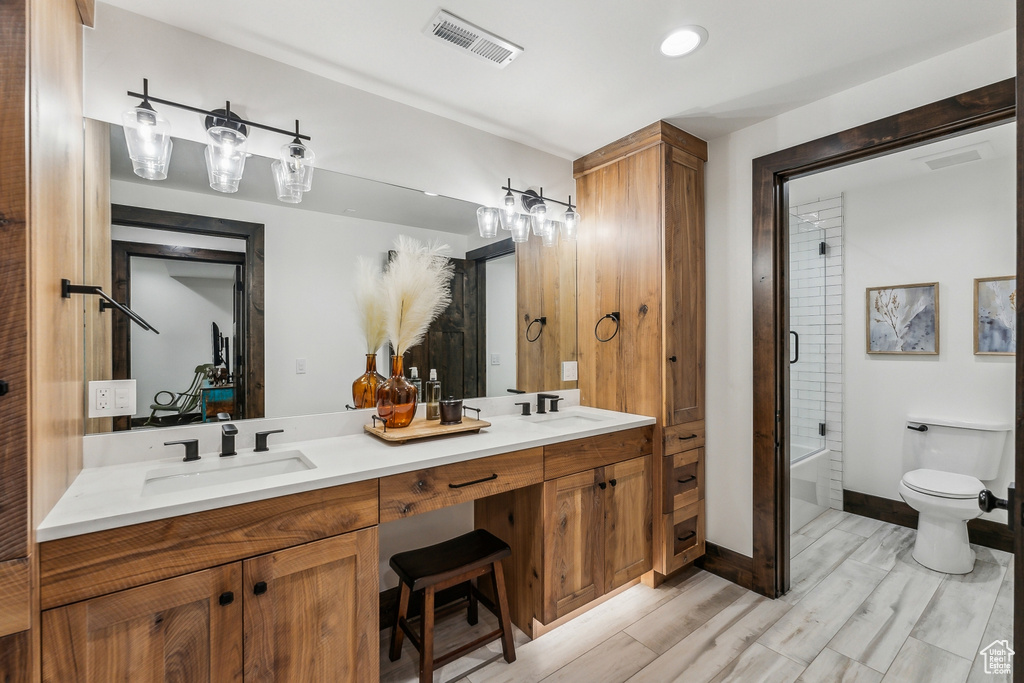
x=410 y=493
x=683 y=437
x=684 y=536
x=578 y=455
x=684 y=479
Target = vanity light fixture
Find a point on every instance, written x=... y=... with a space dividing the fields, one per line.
x=149 y=145
x=683 y=41
x=535 y=214
x=487 y=221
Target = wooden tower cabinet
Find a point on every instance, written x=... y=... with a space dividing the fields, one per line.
x=641 y=312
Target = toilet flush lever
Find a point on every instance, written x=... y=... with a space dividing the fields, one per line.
x=988 y=502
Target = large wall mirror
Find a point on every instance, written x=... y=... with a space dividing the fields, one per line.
x=261 y=291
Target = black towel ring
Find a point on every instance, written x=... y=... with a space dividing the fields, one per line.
x=614 y=316
x=543 y=320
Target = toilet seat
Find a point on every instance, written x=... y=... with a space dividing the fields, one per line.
x=943 y=484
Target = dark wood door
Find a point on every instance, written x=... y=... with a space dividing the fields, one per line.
x=455 y=342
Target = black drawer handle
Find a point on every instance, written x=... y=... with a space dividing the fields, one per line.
x=477 y=481
x=603 y=485
x=687 y=480
x=226 y=598
x=687 y=438
x=612 y=482
x=672 y=358
x=259 y=588
x=686 y=537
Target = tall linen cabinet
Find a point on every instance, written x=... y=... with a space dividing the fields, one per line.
x=641 y=312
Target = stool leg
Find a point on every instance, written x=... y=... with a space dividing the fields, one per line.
x=508 y=645
x=427 y=637
x=397 y=634
x=474 y=613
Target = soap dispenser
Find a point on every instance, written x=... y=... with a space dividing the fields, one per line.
x=414 y=379
x=433 y=397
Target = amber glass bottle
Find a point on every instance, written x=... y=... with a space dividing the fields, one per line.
x=396 y=397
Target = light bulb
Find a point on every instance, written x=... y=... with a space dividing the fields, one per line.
x=148 y=136
x=539 y=218
x=570 y=225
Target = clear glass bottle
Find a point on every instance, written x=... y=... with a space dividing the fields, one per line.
x=433 y=396
x=414 y=379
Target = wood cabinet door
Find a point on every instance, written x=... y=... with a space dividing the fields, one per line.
x=172 y=630
x=627 y=521
x=311 y=611
x=573 y=543
x=684 y=294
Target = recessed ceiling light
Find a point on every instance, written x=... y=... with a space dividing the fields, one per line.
x=684 y=41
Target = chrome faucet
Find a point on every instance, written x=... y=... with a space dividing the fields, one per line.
x=541 y=405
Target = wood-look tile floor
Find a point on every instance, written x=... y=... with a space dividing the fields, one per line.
x=860 y=609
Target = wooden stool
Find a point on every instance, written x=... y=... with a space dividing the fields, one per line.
x=436 y=567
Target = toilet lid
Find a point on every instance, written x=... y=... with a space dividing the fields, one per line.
x=943 y=484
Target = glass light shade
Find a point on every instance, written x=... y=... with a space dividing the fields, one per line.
x=298 y=162
x=539 y=218
x=286 y=192
x=510 y=202
x=487 y=221
x=550 y=235
x=508 y=218
x=571 y=225
x=149 y=142
x=520 y=228
x=225 y=158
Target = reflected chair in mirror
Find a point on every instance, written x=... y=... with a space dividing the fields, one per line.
x=184 y=405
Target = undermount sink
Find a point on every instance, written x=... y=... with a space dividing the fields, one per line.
x=212 y=472
x=558 y=421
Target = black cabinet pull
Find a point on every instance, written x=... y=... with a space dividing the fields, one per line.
x=603 y=485
x=259 y=588
x=686 y=537
x=687 y=438
x=612 y=482
x=475 y=481
x=687 y=480
x=4 y=387
x=226 y=598
x=672 y=358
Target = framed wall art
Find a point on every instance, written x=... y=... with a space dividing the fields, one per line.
x=995 y=316
x=903 y=319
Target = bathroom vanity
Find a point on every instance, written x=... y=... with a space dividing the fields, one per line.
x=238 y=574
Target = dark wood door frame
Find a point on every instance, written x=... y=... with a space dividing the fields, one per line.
x=972 y=110
x=253 y=233
x=121 y=254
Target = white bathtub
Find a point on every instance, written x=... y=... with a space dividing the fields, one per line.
x=809 y=475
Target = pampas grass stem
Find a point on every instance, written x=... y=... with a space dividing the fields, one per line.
x=371 y=305
x=417 y=287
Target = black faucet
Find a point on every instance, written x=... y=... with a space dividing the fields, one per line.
x=540 y=402
x=554 y=403
x=261 y=439
x=526 y=407
x=191 y=448
x=227 y=439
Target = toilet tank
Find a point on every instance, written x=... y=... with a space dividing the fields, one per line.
x=971 y=447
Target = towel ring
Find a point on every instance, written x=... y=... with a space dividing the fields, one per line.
x=614 y=316
x=543 y=320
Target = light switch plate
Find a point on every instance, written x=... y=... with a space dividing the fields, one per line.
x=495 y=359
x=569 y=371
x=111 y=398
x=300 y=366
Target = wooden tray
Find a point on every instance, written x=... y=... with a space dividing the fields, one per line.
x=424 y=429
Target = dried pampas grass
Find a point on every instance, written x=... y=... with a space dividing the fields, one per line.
x=417 y=287
x=371 y=309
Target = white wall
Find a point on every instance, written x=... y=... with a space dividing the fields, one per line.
x=728 y=252
x=501 y=329
x=182 y=308
x=309 y=265
x=353 y=131
x=949 y=226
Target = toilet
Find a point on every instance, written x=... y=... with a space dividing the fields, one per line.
x=946 y=462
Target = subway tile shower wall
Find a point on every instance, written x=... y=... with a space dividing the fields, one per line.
x=816 y=314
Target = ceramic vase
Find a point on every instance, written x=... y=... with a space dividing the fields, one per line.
x=364 y=389
x=396 y=397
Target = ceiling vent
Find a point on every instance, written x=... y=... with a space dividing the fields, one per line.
x=451 y=30
x=960 y=155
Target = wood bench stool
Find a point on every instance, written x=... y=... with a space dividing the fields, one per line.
x=437 y=567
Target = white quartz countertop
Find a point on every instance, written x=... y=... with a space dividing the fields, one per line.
x=111 y=496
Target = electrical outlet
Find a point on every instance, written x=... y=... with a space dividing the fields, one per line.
x=110 y=398
x=570 y=373
x=300 y=366
x=495 y=359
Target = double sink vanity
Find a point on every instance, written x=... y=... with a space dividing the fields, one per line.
x=266 y=565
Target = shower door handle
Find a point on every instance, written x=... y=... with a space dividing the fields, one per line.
x=796 y=346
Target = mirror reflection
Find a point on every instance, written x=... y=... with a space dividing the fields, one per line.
x=253 y=297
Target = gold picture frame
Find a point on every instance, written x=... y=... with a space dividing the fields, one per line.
x=902 y=316
x=995 y=316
